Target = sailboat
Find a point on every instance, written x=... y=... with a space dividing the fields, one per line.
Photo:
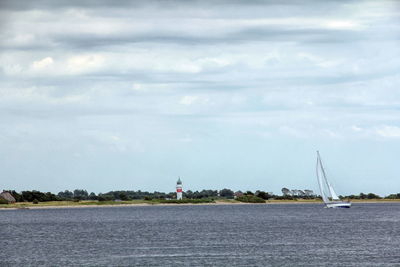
x=329 y=195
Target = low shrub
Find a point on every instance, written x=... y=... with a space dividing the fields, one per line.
x=35 y=201
x=250 y=199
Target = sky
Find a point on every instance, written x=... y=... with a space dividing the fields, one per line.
x=129 y=95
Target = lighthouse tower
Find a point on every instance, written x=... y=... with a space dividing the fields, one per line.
x=179 y=189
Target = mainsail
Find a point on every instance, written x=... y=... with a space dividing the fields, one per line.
x=323 y=183
x=320 y=175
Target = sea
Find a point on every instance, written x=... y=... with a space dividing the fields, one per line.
x=202 y=235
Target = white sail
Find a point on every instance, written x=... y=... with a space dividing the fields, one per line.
x=333 y=193
x=328 y=195
x=320 y=174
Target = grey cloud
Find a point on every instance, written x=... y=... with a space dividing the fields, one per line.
x=133 y=12
x=49 y=4
x=250 y=34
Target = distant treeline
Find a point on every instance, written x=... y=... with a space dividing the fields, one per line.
x=81 y=194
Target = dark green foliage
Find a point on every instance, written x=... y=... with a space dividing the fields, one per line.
x=147 y=198
x=92 y=196
x=66 y=195
x=263 y=195
x=363 y=196
x=3 y=201
x=123 y=196
x=250 y=199
x=201 y=194
x=18 y=197
x=35 y=201
x=285 y=191
x=103 y=197
x=393 y=196
x=81 y=194
x=127 y=195
x=373 y=196
x=29 y=196
x=227 y=193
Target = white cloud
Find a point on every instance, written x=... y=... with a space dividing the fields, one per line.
x=43 y=63
x=188 y=100
x=355 y=128
x=85 y=63
x=137 y=87
x=389 y=131
x=342 y=24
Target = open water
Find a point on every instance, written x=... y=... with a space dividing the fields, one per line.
x=228 y=235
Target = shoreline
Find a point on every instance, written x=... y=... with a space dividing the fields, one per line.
x=143 y=204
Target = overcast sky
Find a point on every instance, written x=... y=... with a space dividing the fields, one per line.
x=226 y=94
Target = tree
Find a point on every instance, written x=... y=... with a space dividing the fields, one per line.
x=188 y=194
x=66 y=195
x=40 y=196
x=301 y=193
x=309 y=193
x=123 y=196
x=373 y=196
x=227 y=193
x=92 y=196
x=285 y=191
x=295 y=192
x=80 y=194
x=18 y=197
x=393 y=196
x=263 y=195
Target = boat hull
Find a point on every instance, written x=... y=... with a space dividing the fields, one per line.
x=338 y=205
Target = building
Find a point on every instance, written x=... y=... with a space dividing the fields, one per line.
x=179 y=189
x=7 y=196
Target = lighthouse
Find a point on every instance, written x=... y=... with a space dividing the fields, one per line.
x=179 y=189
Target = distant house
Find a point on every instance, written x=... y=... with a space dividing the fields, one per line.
x=7 y=196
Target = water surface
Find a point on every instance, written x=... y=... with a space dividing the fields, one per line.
x=224 y=235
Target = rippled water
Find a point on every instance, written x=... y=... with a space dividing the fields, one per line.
x=229 y=235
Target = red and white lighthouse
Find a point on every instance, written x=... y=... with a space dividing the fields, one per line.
x=179 y=189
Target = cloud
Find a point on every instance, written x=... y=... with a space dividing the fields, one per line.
x=389 y=131
x=188 y=100
x=85 y=63
x=42 y=64
x=142 y=77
